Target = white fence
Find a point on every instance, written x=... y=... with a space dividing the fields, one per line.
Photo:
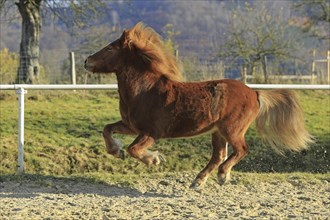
x=21 y=90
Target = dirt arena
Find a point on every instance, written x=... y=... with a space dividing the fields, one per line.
x=168 y=197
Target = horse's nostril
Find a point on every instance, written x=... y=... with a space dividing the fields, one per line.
x=88 y=65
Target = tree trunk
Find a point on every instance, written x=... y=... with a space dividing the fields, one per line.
x=28 y=70
x=250 y=68
x=264 y=68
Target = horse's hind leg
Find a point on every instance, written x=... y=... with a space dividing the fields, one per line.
x=113 y=146
x=240 y=149
x=218 y=156
x=138 y=150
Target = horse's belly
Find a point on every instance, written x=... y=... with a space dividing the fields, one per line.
x=190 y=126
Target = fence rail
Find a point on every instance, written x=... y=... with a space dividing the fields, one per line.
x=21 y=90
x=59 y=87
x=114 y=86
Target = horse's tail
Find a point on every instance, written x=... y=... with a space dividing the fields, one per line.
x=280 y=120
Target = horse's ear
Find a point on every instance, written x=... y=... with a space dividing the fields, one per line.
x=125 y=39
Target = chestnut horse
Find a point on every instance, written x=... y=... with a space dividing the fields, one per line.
x=155 y=104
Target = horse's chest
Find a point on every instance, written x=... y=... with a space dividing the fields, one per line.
x=136 y=115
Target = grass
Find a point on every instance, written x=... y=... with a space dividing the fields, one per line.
x=63 y=138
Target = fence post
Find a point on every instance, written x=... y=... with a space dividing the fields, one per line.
x=244 y=79
x=313 y=68
x=72 y=68
x=328 y=59
x=20 y=92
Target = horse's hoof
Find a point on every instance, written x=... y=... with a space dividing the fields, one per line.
x=222 y=182
x=223 y=179
x=158 y=158
x=197 y=184
x=152 y=158
x=155 y=158
x=194 y=185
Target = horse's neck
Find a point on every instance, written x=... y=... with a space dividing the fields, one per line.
x=132 y=84
x=124 y=89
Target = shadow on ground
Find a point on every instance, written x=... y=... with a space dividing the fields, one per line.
x=32 y=185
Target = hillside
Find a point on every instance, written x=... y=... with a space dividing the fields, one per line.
x=198 y=30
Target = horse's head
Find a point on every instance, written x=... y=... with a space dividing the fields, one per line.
x=110 y=58
x=139 y=48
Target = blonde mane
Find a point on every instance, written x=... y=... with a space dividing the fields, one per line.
x=153 y=51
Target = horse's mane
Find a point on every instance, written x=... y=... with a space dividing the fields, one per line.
x=153 y=52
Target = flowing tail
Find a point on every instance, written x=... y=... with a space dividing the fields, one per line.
x=280 y=121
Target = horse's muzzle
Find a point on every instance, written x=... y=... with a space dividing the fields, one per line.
x=88 y=66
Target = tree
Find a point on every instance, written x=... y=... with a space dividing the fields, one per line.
x=317 y=13
x=79 y=13
x=28 y=70
x=2 y=5
x=256 y=34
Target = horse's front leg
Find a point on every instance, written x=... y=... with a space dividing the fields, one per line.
x=138 y=150
x=113 y=146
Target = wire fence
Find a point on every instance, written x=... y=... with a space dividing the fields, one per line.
x=55 y=68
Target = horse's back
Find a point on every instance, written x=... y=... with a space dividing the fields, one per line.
x=201 y=106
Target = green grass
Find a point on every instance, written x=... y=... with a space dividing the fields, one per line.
x=63 y=137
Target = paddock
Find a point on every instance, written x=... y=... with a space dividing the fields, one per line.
x=156 y=194
x=22 y=89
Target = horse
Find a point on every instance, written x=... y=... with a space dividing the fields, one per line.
x=156 y=103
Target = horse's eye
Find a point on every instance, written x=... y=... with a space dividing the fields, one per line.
x=109 y=48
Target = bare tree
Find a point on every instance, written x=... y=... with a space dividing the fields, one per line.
x=255 y=34
x=317 y=13
x=78 y=13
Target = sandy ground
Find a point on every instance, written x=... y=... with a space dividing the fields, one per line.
x=168 y=197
